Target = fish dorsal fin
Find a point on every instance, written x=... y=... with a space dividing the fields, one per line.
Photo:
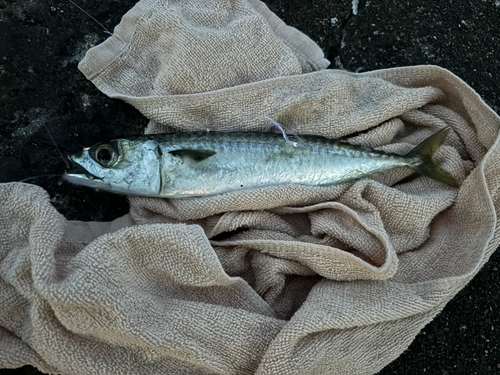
x=194 y=154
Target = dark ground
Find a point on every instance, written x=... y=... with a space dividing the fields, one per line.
x=42 y=92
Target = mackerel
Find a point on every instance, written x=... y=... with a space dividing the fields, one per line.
x=181 y=165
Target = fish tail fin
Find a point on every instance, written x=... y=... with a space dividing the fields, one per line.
x=424 y=152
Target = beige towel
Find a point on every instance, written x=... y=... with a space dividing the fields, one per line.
x=282 y=280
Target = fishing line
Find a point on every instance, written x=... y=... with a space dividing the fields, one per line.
x=43 y=175
x=88 y=14
x=50 y=135
x=60 y=153
x=287 y=138
x=96 y=21
x=57 y=148
x=278 y=125
x=68 y=167
x=101 y=216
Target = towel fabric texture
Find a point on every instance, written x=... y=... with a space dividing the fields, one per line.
x=280 y=280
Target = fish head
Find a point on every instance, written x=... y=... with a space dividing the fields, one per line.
x=123 y=166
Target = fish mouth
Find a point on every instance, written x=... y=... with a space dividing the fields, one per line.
x=76 y=171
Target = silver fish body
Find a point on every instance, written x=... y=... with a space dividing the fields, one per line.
x=252 y=160
x=183 y=165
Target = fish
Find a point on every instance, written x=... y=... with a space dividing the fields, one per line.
x=197 y=164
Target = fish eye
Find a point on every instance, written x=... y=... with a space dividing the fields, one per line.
x=106 y=155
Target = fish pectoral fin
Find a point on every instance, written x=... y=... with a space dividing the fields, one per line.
x=193 y=154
